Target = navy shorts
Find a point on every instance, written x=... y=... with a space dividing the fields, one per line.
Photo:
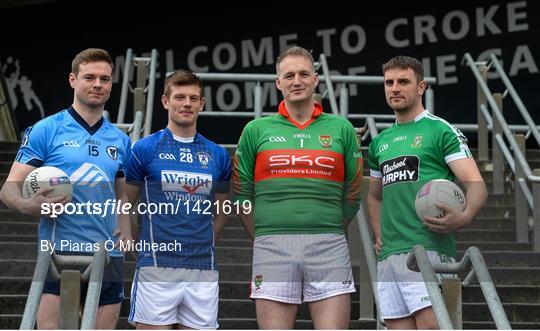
x=112 y=288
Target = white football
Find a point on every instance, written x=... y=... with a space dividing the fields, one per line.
x=438 y=190
x=45 y=177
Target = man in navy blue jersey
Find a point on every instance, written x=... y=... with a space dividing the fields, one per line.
x=93 y=153
x=187 y=176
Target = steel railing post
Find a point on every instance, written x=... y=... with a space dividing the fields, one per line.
x=522 y=226
x=497 y=156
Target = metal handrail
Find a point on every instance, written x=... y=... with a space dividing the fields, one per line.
x=329 y=86
x=150 y=93
x=94 y=288
x=125 y=87
x=243 y=77
x=515 y=96
x=418 y=261
x=500 y=118
x=369 y=254
x=372 y=127
x=95 y=269
x=36 y=288
x=139 y=124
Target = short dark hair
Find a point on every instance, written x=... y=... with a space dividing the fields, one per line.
x=295 y=51
x=406 y=62
x=90 y=55
x=182 y=77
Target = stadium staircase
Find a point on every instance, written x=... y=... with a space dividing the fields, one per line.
x=515 y=269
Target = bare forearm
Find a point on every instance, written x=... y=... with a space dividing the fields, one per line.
x=11 y=195
x=476 y=198
x=219 y=223
x=247 y=222
x=374 y=212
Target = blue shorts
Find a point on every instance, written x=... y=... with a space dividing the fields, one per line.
x=112 y=288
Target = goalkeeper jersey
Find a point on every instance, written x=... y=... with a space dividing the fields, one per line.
x=301 y=178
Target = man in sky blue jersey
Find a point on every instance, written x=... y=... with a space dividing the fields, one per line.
x=178 y=286
x=93 y=153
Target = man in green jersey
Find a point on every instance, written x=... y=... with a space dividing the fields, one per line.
x=418 y=148
x=302 y=170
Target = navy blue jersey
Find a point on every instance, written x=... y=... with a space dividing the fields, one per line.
x=183 y=175
x=92 y=157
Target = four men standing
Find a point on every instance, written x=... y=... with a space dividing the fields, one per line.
x=301 y=169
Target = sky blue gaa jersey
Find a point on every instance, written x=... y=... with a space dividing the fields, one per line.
x=181 y=176
x=92 y=157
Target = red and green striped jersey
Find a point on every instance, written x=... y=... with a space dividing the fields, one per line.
x=300 y=178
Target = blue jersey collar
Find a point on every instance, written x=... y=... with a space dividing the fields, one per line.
x=90 y=129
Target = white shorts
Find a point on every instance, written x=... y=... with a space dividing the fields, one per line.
x=287 y=267
x=402 y=292
x=164 y=296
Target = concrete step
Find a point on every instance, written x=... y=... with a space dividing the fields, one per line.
x=508 y=259
x=27 y=251
x=492 y=326
x=8 y=146
x=12 y=321
x=507 y=211
x=501 y=235
x=529 y=154
x=26 y=228
x=507 y=199
x=7 y=215
x=241 y=290
x=516 y=312
x=234 y=232
x=489 y=211
x=507 y=293
x=242 y=272
x=7 y=156
x=494 y=245
x=5 y=166
x=245 y=308
x=18 y=238
x=492 y=223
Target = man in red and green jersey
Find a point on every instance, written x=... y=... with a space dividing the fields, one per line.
x=418 y=148
x=301 y=168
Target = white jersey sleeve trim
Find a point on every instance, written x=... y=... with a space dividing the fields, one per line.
x=375 y=173
x=456 y=156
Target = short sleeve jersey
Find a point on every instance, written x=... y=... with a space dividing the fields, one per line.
x=92 y=157
x=405 y=157
x=181 y=178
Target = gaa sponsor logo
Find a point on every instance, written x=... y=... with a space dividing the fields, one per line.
x=185 y=181
x=277 y=139
x=167 y=156
x=71 y=143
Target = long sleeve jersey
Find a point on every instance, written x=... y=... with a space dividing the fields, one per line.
x=301 y=178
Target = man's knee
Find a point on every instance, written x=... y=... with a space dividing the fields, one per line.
x=426 y=319
x=275 y=315
x=107 y=316
x=48 y=312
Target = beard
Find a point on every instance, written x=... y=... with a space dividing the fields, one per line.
x=401 y=107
